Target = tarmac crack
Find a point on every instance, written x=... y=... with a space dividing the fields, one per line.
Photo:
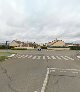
x=12 y=88
x=6 y=73
x=9 y=78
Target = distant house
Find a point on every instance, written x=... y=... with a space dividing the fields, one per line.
x=56 y=43
x=16 y=43
x=41 y=44
x=76 y=44
x=69 y=44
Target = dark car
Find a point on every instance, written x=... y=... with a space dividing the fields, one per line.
x=39 y=48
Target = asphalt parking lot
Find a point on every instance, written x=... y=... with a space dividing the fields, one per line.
x=26 y=71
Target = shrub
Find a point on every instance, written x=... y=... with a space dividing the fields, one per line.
x=6 y=47
x=18 y=48
x=75 y=47
x=43 y=47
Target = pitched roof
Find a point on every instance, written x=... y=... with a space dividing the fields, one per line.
x=19 y=42
x=53 y=42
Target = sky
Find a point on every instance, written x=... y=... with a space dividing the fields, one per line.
x=40 y=20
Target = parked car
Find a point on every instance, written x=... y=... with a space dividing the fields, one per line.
x=39 y=48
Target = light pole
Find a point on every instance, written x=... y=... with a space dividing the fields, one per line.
x=7 y=45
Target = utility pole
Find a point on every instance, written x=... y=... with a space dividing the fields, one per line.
x=7 y=45
x=7 y=42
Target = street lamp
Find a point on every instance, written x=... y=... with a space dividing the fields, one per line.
x=7 y=45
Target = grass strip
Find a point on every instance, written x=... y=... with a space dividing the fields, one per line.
x=2 y=58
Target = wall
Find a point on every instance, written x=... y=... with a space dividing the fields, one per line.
x=24 y=47
x=58 y=48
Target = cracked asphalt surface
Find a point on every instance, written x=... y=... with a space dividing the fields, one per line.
x=27 y=75
x=63 y=81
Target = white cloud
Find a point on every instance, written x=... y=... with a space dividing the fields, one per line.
x=39 y=20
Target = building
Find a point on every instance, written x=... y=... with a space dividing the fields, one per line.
x=76 y=44
x=16 y=43
x=57 y=43
x=69 y=44
x=41 y=44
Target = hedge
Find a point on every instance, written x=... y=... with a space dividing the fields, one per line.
x=5 y=47
x=18 y=48
x=43 y=47
x=75 y=47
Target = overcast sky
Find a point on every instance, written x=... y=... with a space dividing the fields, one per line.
x=40 y=20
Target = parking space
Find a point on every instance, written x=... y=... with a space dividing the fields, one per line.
x=63 y=80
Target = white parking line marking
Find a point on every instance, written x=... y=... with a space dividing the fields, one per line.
x=34 y=57
x=69 y=58
x=44 y=57
x=75 y=72
x=30 y=56
x=78 y=56
x=45 y=81
x=23 y=56
x=58 y=57
x=52 y=70
x=53 y=57
x=19 y=57
x=26 y=56
x=11 y=55
x=48 y=57
x=62 y=71
x=64 y=58
x=39 y=57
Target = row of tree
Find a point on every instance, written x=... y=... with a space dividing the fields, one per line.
x=5 y=47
